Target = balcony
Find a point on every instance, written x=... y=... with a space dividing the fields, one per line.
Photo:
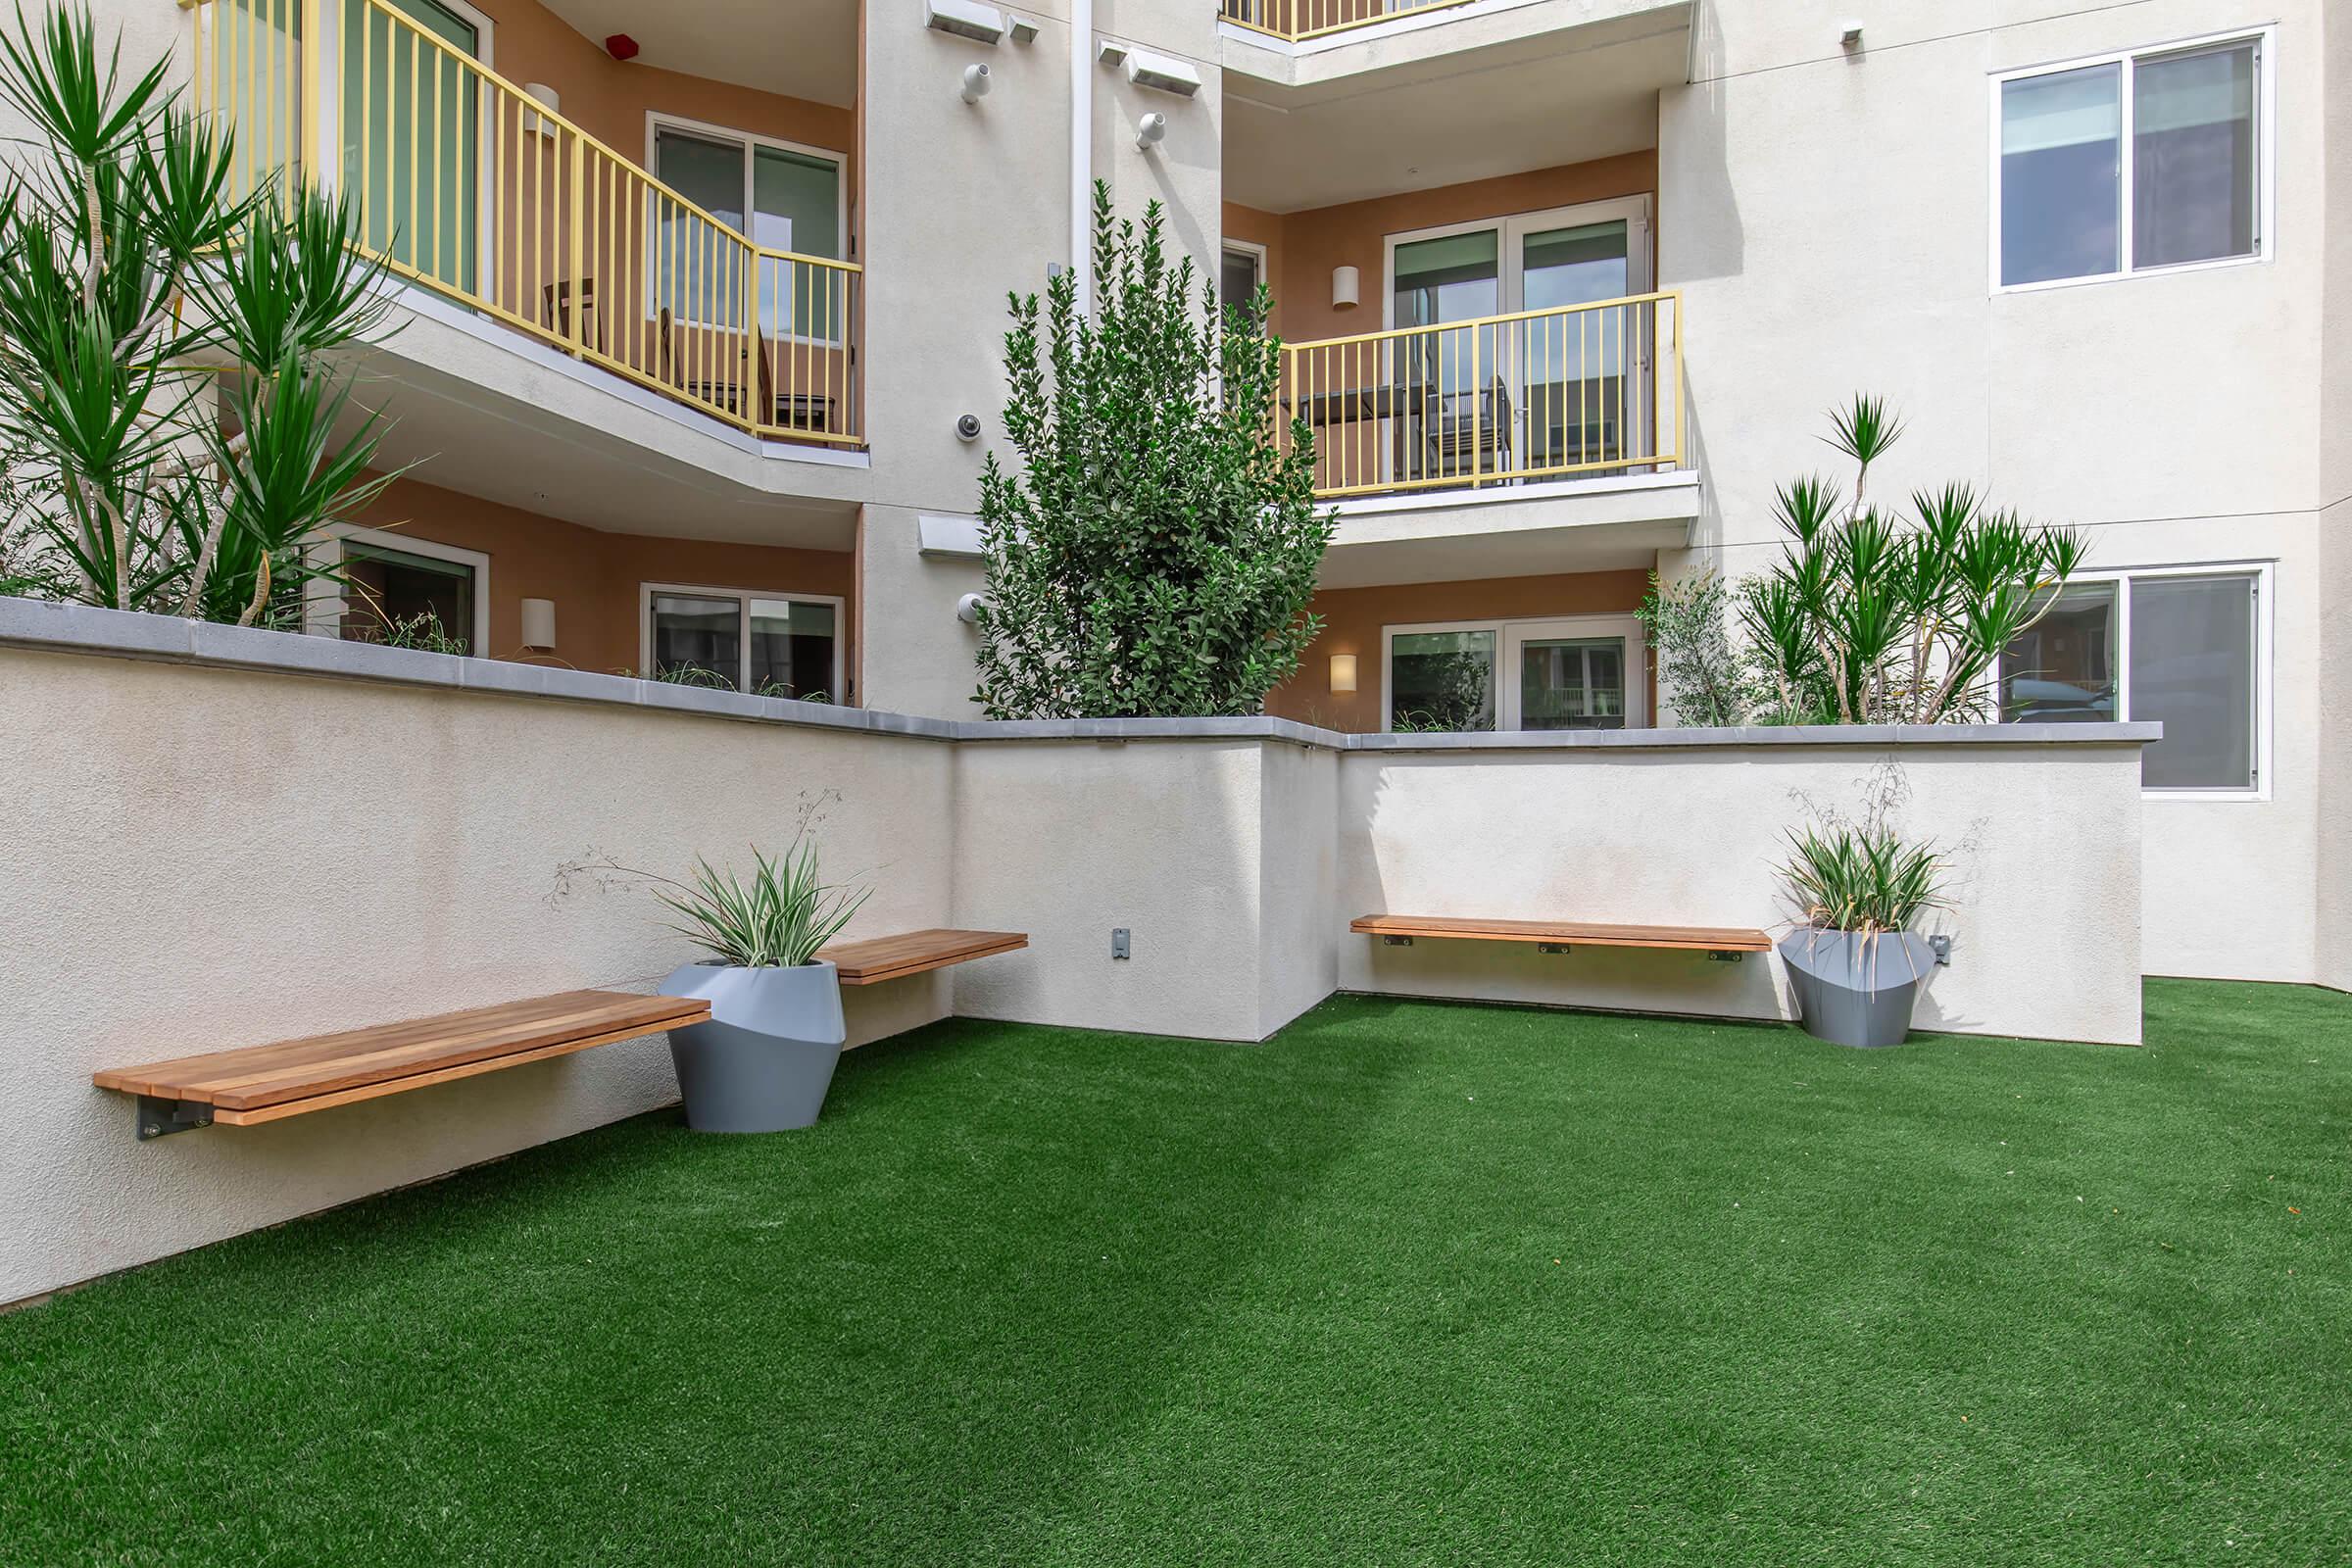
x=476 y=189
x=1297 y=21
x=1580 y=391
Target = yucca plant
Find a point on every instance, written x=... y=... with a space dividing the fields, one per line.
x=779 y=916
x=1865 y=879
x=168 y=410
x=1874 y=617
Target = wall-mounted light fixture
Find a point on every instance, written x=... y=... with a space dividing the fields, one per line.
x=621 y=46
x=1343 y=673
x=1346 y=291
x=539 y=92
x=539 y=625
x=1849 y=33
x=1150 y=131
x=975 y=83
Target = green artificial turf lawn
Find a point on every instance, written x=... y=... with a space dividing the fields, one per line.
x=1408 y=1284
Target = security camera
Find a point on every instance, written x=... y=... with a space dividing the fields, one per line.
x=1150 y=130
x=967 y=427
x=975 y=83
x=968 y=608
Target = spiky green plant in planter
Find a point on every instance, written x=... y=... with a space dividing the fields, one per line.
x=777 y=917
x=166 y=407
x=1863 y=879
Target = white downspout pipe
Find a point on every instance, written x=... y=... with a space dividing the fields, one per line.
x=1082 y=149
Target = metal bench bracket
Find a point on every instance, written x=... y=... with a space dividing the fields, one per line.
x=1395 y=942
x=160 y=1117
x=1727 y=957
x=1554 y=947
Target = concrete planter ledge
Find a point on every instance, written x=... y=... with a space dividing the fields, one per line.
x=123 y=635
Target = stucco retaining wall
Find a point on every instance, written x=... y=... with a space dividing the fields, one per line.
x=223 y=837
x=2044 y=843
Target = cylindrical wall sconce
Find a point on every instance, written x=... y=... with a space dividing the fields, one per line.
x=539 y=625
x=539 y=92
x=1343 y=673
x=1342 y=288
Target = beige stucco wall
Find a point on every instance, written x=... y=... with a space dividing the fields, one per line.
x=207 y=858
x=1216 y=857
x=992 y=175
x=1827 y=220
x=2333 y=934
x=215 y=849
x=966 y=204
x=2042 y=845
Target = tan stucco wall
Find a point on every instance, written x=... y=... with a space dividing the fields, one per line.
x=1354 y=619
x=594 y=577
x=610 y=99
x=2043 y=849
x=1316 y=241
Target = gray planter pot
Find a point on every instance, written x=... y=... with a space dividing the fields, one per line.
x=1854 y=989
x=765 y=1060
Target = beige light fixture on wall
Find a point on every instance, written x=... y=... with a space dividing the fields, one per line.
x=1343 y=673
x=539 y=625
x=1344 y=288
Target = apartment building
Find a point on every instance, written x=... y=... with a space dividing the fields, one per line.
x=696 y=299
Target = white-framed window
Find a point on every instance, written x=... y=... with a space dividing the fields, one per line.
x=774 y=643
x=1241 y=269
x=784 y=195
x=2149 y=160
x=389 y=586
x=2186 y=646
x=1557 y=672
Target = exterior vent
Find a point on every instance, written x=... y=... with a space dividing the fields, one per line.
x=965 y=19
x=1164 y=72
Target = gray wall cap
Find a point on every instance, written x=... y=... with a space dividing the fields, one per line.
x=56 y=627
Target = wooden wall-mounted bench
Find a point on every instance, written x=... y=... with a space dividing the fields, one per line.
x=875 y=959
x=1726 y=943
x=267 y=1082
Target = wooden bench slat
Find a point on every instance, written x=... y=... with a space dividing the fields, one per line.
x=422 y=1080
x=377 y=1037
x=325 y=1064
x=1700 y=938
x=877 y=958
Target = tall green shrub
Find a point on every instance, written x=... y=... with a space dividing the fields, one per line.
x=1155 y=551
x=144 y=474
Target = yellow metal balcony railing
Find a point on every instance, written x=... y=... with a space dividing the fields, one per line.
x=468 y=185
x=1579 y=390
x=1299 y=19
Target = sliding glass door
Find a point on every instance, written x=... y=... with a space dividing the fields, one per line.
x=1556 y=391
x=1575 y=672
x=411 y=134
